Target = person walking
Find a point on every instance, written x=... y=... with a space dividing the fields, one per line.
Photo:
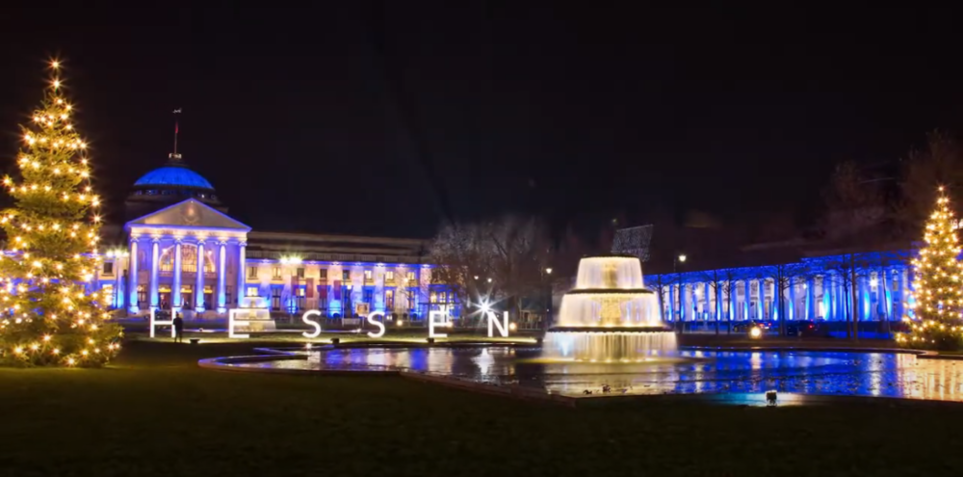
x=178 y=329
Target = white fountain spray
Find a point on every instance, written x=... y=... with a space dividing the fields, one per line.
x=609 y=316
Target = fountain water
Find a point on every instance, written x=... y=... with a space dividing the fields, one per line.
x=609 y=316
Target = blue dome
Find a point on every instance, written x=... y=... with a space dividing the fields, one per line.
x=173 y=176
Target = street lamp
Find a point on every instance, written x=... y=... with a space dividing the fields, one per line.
x=675 y=264
x=548 y=298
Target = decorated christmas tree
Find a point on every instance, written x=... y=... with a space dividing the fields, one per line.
x=938 y=300
x=49 y=315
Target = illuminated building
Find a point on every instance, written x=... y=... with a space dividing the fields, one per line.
x=813 y=288
x=185 y=253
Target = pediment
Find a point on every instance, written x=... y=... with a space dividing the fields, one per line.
x=190 y=213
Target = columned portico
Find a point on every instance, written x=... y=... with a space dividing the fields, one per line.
x=154 y=271
x=186 y=237
x=241 y=273
x=199 y=282
x=132 y=278
x=221 y=278
x=176 y=301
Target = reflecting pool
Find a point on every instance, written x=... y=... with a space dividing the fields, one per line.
x=804 y=372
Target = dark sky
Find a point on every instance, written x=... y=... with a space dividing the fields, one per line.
x=572 y=112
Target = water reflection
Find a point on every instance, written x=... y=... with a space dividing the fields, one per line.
x=736 y=372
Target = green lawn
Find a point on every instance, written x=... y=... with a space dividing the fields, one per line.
x=156 y=413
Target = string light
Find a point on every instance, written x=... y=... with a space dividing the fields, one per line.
x=937 y=314
x=47 y=251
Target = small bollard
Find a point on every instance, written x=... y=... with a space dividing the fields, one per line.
x=335 y=340
x=430 y=340
x=194 y=341
x=539 y=340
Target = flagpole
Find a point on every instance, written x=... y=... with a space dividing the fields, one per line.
x=175 y=155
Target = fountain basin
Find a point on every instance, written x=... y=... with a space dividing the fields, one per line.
x=608 y=345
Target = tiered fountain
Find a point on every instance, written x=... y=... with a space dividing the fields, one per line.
x=609 y=317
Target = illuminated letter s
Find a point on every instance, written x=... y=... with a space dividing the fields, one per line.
x=380 y=325
x=317 y=326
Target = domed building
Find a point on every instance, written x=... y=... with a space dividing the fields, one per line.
x=168 y=185
x=182 y=253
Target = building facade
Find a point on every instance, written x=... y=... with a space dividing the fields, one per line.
x=181 y=251
x=819 y=288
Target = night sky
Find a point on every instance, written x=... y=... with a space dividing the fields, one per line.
x=313 y=119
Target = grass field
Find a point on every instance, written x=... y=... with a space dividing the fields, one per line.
x=155 y=413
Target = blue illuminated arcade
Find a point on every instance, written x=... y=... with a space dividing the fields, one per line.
x=183 y=252
x=814 y=288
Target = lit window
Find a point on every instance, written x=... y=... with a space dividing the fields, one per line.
x=300 y=291
x=367 y=274
x=252 y=291
x=108 y=291
x=277 y=273
x=252 y=272
x=411 y=276
x=390 y=299
x=389 y=275
x=276 y=298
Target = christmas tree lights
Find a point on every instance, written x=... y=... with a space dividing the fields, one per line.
x=47 y=317
x=938 y=299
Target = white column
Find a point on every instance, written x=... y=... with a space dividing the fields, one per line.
x=791 y=309
x=885 y=294
x=761 y=302
x=221 y=279
x=707 y=291
x=154 y=269
x=746 y=298
x=176 y=288
x=132 y=279
x=118 y=283
x=241 y=272
x=199 y=285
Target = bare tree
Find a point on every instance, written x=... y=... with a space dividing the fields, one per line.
x=714 y=279
x=783 y=276
x=855 y=202
x=846 y=271
x=521 y=252
x=661 y=285
x=499 y=259
x=463 y=254
x=940 y=163
x=730 y=277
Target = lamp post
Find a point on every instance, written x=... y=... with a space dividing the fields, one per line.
x=676 y=264
x=548 y=298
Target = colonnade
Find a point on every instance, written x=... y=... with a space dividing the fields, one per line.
x=881 y=294
x=149 y=250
